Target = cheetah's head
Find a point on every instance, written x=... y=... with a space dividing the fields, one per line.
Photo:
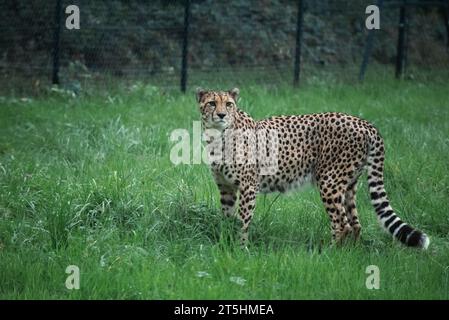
x=217 y=107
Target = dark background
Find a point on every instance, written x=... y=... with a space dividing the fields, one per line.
x=228 y=41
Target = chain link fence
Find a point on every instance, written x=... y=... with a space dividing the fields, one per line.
x=223 y=43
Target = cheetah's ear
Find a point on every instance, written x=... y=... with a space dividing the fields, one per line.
x=200 y=93
x=234 y=93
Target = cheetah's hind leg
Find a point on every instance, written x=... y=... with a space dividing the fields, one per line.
x=351 y=210
x=333 y=197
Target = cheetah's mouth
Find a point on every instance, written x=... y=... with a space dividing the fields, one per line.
x=219 y=123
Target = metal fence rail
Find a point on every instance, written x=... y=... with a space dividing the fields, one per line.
x=190 y=42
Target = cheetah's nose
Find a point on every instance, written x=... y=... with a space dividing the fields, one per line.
x=221 y=115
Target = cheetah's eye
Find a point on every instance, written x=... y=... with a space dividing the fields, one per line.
x=228 y=104
x=212 y=104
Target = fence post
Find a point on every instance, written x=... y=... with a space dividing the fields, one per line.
x=56 y=42
x=369 y=46
x=446 y=22
x=185 y=44
x=299 y=23
x=400 y=56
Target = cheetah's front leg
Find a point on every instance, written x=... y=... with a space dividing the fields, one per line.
x=228 y=198
x=247 y=205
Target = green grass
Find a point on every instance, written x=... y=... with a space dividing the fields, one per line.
x=87 y=181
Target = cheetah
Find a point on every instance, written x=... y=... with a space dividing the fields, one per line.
x=329 y=150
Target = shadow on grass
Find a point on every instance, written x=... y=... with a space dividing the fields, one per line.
x=203 y=224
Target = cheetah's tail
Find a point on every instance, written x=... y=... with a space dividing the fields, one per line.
x=385 y=214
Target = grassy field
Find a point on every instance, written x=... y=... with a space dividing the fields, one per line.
x=87 y=181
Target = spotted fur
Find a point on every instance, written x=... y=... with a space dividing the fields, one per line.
x=330 y=150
